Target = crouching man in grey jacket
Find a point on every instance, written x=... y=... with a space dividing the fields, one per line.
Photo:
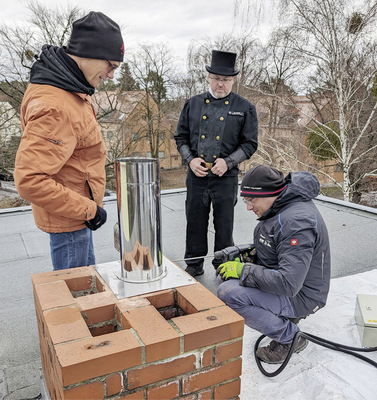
x=291 y=277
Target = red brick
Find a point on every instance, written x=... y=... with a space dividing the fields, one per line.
x=52 y=295
x=169 y=390
x=68 y=358
x=103 y=330
x=207 y=358
x=132 y=303
x=89 y=358
x=159 y=337
x=114 y=384
x=133 y=396
x=228 y=390
x=90 y=391
x=65 y=324
x=85 y=283
x=157 y=372
x=97 y=307
x=211 y=377
x=195 y=298
x=100 y=283
x=209 y=327
x=128 y=304
x=163 y=298
x=82 y=275
x=205 y=395
x=228 y=351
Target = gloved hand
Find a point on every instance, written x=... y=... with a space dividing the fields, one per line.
x=98 y=220
x=230 y=269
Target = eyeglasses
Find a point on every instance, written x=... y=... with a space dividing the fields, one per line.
x=112 y=66
x=224 y=80
x=249 y=200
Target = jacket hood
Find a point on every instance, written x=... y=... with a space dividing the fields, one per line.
x=301 y=186
x=54 y=67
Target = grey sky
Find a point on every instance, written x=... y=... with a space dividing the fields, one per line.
x=174 y=22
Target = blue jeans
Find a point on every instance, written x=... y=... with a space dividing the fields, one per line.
x=262 y=311
x=72 y=249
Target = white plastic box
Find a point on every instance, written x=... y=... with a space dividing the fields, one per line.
x=366 y=319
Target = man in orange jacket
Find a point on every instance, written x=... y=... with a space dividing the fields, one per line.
x=60 y=163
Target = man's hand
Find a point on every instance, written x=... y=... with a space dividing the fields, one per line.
x=230 y=269
x=197 y=168
x=98 y=220
x=220 y=167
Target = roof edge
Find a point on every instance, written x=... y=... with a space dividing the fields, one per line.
x=106 y=199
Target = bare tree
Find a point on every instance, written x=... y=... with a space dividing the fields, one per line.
x=250 y=60
x=10 y=134
x=337 y=39
x=19 y=44
x=340 y=43
x=281 y=66
x=153 y=68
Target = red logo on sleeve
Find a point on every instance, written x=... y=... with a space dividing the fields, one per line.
x=294 y=242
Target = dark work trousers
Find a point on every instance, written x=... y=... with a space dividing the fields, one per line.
x=221 y=193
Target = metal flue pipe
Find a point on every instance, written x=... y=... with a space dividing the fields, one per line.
x=139 y=219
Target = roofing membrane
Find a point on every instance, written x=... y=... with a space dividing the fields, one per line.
x=315 y=373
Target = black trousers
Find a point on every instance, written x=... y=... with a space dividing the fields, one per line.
x=221 y=193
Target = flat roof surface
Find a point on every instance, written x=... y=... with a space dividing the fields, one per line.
x=25 y=251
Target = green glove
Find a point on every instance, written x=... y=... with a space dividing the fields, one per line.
x=230 y=269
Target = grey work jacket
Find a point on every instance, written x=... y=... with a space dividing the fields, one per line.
x=293 y=248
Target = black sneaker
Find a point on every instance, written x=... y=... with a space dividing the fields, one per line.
x=194 y=271
x=276 y=353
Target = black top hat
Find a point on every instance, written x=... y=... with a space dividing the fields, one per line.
x=222 y=63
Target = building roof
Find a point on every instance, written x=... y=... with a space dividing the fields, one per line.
x=353 y=234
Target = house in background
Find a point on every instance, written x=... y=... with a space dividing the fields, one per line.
x=132 y=127
x=10 y=133
x=10 y=125
x=284 y=126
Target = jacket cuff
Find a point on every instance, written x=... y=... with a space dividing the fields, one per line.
x=186 y=154
x=235 y=158
x=91 y=211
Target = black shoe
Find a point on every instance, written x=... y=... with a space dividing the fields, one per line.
x=195 y=271
x=276 y=353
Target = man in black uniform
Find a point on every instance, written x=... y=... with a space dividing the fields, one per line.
x=216 y=131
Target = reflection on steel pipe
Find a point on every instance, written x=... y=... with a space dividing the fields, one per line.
x=139 y=214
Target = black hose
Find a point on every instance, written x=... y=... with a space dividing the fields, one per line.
x=317 y=340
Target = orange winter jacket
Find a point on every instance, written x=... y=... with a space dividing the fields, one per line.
x=60 y=163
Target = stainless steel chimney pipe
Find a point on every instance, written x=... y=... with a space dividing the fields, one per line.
x=139 y=219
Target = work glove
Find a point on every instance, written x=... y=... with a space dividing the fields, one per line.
x=230 y=269
x=98 y=220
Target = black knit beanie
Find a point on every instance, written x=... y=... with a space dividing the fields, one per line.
x=262 y=181
x=96 y=36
